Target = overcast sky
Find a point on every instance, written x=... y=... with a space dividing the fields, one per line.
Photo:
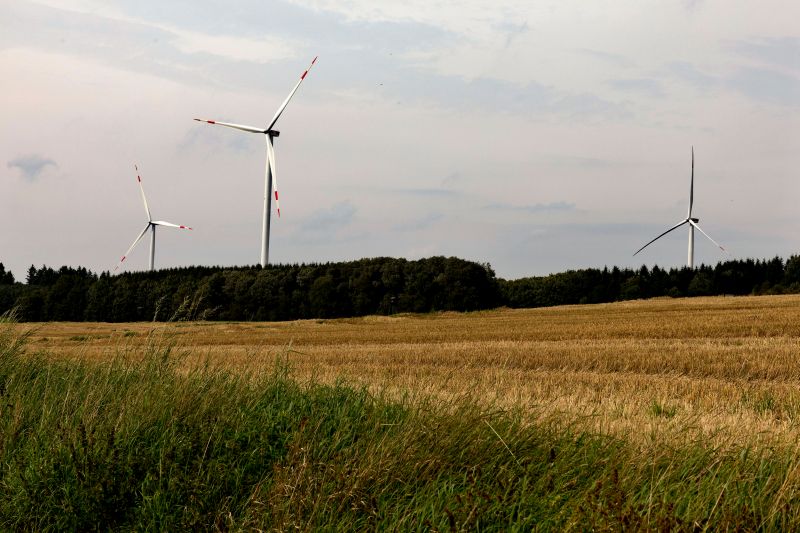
x=537 y=136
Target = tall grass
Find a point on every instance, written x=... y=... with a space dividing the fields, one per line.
x=142 y=444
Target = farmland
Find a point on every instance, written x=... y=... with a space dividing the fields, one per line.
x=701 y=367
x=662 y=414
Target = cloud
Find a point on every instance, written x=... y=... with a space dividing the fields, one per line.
x=512 y=31
x=253 y=49
x=338 y=215
x=587 y=105
x=776 y=79
x=690 y=5
x=207 y=46
x=581 y=162
x=782 y=52
x=535 y=208
x=212 y=42
x=764 y=85
x=326 y=225
x=612 y=59
x=645 y=86
x=31 y=165
x=692 y=75
x=214 y=138
x=419 y=224
x=767 y=86
x=452 y=179
x=435 y=192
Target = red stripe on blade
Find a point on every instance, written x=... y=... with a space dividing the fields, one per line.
x=304 y=75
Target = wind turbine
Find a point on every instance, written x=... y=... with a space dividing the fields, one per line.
x=693 y=223
x=151 y=225
x=270 y=173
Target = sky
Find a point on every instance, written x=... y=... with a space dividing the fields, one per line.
x=536 y=136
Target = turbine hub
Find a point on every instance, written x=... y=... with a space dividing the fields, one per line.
x=273 y=133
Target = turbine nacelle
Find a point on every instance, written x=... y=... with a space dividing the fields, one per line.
x=695 y=220
x=273 y=133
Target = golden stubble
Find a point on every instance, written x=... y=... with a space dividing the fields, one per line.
x=723 y=369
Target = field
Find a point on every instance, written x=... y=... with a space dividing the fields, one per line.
x=648 y=415
x=721 y=368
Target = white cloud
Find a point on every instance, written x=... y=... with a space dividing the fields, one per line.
x=418 y=115
x=257 y=50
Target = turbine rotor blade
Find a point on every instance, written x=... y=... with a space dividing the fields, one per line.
x=267 y=175
x=144 y=198
x=271 y=159
x=708 y=237
x=286 y=102
x=147 y=227
x=251 y=129
x=676 y=226
x=170 y=224
x=691 y=188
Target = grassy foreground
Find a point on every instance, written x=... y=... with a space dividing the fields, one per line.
x=144 y=443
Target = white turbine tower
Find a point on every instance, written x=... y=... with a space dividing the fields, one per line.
x=270 y=173
x=693 y=223
x=151 y=225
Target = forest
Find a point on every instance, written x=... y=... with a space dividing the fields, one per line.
x=356 y=288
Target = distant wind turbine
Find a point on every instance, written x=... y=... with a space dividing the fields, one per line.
x=151 y=225
x=693 y=223
x=270 y=173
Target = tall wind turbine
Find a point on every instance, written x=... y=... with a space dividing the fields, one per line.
x=693 y=223
x=270 y=173
x=151 y=225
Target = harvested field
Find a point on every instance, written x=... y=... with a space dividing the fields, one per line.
x=725 y=369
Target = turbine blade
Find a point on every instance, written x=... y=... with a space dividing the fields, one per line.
x=144 y=198
x=691 y=188
x=271 y=158
x=170 y=224
x=251 y=129
x=286 y=102
x=708 y=237
x=676 y=226
x=147 y=227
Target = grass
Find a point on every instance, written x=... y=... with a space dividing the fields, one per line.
x=156 y=436
x=659 y=409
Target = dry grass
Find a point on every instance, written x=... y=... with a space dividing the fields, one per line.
x=726 y=369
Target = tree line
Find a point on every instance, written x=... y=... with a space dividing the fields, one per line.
x=276 y=292
x=356 y=288
x=738 y=277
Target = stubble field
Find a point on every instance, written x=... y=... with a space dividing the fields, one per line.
x=720 y=370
